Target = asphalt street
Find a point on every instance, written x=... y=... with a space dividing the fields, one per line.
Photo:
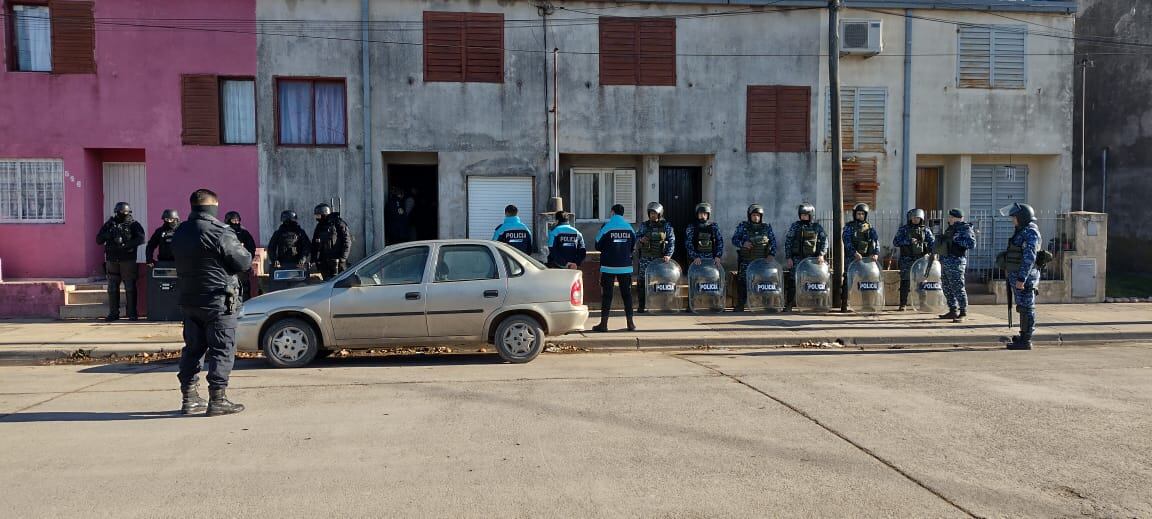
x=1055 y=432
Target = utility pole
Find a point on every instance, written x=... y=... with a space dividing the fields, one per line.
x=838 y=286
x=1085 y=64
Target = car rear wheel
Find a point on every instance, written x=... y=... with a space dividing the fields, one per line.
x=519 y=339
x=290 y=343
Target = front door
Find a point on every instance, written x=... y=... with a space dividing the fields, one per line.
x=127 y=182
x=466 y=288
x=680 y=191
x=389 y=302
x=928 y=189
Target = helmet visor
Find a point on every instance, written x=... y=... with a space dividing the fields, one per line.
x=1007 y=210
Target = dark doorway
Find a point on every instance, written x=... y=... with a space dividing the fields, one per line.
x=930 y=193
x=680 y=191
x=411 y=208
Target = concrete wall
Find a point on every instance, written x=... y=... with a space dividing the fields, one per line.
x=132 y=103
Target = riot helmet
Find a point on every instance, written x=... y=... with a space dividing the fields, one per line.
x=1023 y=213
x=861 y=208
x=806 y=209
x=287 y=216
x=655 y=207
x=755 y=209
x=122 y=208
x=322 y=211
x=232 y=215
x=916 y=213
x=704 y=208
x=169 y=214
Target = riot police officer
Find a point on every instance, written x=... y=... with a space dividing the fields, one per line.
x=753 y=239
x=1022 y=269
x=121 y=235
x=860 y=241
x=209 y=258
x=703 y=238
x=566 y=249
x=161 y=241
x=657 y=242
x=805 y=239
x=331 y=242
x=915 y=240
x=615 y=241
x=513 y=231
x=233 y=220
x=289 y=246
x=953 y=250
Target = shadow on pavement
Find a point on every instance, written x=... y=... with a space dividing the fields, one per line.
x=804 y=353
x=401 y=361
x=69 y=416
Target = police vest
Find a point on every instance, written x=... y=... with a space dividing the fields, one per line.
x=805 y=241
x=862 y=238
x=657 y=240
x=918 y=249
x=705 y=241
x=287 y=244
x=122 y=230
x=951 y=248
x=758 y=237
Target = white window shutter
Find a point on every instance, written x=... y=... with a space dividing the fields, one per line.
x=974 y=57
x=1008 y=55
x=871 y=118
x=624 y=191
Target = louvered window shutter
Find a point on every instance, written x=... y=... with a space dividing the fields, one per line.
x=624 y=191
x=794 y=112
x=484 y=48
x=762 y=132
x=657 y=59
x=860 y=182
x=619 y=52
x=871 y=111
x=73 y=37
x=1008 y=45
x=200 y=109
x=443 y=46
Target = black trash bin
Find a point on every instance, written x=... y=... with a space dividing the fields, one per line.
x=163 y=293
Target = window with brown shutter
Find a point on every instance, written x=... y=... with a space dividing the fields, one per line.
x=73 y=37
x=637 y=52
x=464 y=47
x=860 y=181
x=200 y=109
x=778 y=118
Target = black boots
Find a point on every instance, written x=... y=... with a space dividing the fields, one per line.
x=1024 y=340
x=192 y=403
x=218 y=403
x=950 y=315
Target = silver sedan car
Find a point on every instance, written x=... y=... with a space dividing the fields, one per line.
x=444 y=291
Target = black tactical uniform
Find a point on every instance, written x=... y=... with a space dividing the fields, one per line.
x=160 y=243
x=331 y=242
x=289 y=246
x=233 y=220
x=121 y=235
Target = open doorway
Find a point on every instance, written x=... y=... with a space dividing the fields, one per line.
x=411 y=209
x=680 y=191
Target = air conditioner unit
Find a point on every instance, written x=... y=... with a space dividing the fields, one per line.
x=860 y=37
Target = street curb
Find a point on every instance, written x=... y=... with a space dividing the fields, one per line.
x=605 y=342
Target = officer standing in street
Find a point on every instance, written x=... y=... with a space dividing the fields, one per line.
x=331 y=242
x=209 y=257
x=289 y=247
x=121 y=235
x=513 y=231
x=703 y=237
x=753 y=239
x=161 y=241
x=915 y=240
x=805 y=239
x=953 y=250
x=233 y=220
x=860 y=241
x=615 y=241
x=656 y=242
x=566 y=249
x=1023 y=271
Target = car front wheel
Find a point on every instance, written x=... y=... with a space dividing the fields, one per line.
x=519 y=339
x=290 y=343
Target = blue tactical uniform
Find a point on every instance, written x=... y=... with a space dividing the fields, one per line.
x=914 y=242
x=514 y=233
x=802 y=241
x=860 y=237
x=763 y=245
x=704 y=241
x=656 y=241
x=954 y=247
x=615 y=241
x=565 y=245
x=1020 y=265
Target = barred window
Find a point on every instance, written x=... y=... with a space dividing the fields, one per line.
x=31 y=191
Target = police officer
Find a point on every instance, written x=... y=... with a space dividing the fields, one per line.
x=656 y=241
x=805 y=239
x=915 y=240
x=233 y=220
x=615 y=241
x=331 y=242
x=566 y=248
x=289 y=246
x=753 y=239
x=513 y=231
x=161 y=240
x=209 y=257
x=397 y=217
x=1022 y=271
x=703 y=237
x=860 y=241
x=121 y=235
x=953 y=250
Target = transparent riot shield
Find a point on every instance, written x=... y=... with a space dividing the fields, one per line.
x=765 y=283
x=705 y=287
x=927 y=290
x=813 y=286
x=865 y=286
x=661 y=283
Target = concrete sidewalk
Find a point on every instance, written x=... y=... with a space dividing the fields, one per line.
x=1088 y=323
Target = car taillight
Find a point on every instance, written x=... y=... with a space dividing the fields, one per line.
x=576 y=295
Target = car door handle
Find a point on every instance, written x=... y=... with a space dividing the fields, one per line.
x=491 y=293
x=412 y=296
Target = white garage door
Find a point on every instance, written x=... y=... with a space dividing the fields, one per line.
x=487 y=197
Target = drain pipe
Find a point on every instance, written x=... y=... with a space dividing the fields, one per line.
x=906 y=163
x=366 y=128
x=1104 y=180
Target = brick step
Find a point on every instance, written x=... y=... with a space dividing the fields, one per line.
x=87 y=311
x=82 y=297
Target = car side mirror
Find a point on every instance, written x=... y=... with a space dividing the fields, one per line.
x=349 y=282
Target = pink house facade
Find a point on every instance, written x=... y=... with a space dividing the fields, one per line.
x=102 y=104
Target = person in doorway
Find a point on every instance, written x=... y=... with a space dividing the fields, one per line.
x=953 y=250
x=754 y=239
x=396 y=217
x=615 y=241
x=566 y=249
x=1022 y=269
x=860 y=241
x=412 y=205
x=233 y=220
x=331 y=242
x=805 y=239
x=289 y=247
x=915 y=240
x=121 y=236
x=159 y=248
x=209 y=258
x=513 y=231
x=703 y=237
x=657 y=242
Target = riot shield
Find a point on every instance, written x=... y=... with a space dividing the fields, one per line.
x=927 y=290
x=813 y=286
x=865 y=286
x=765 y=284
x=661 y=283
x=705 y=287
